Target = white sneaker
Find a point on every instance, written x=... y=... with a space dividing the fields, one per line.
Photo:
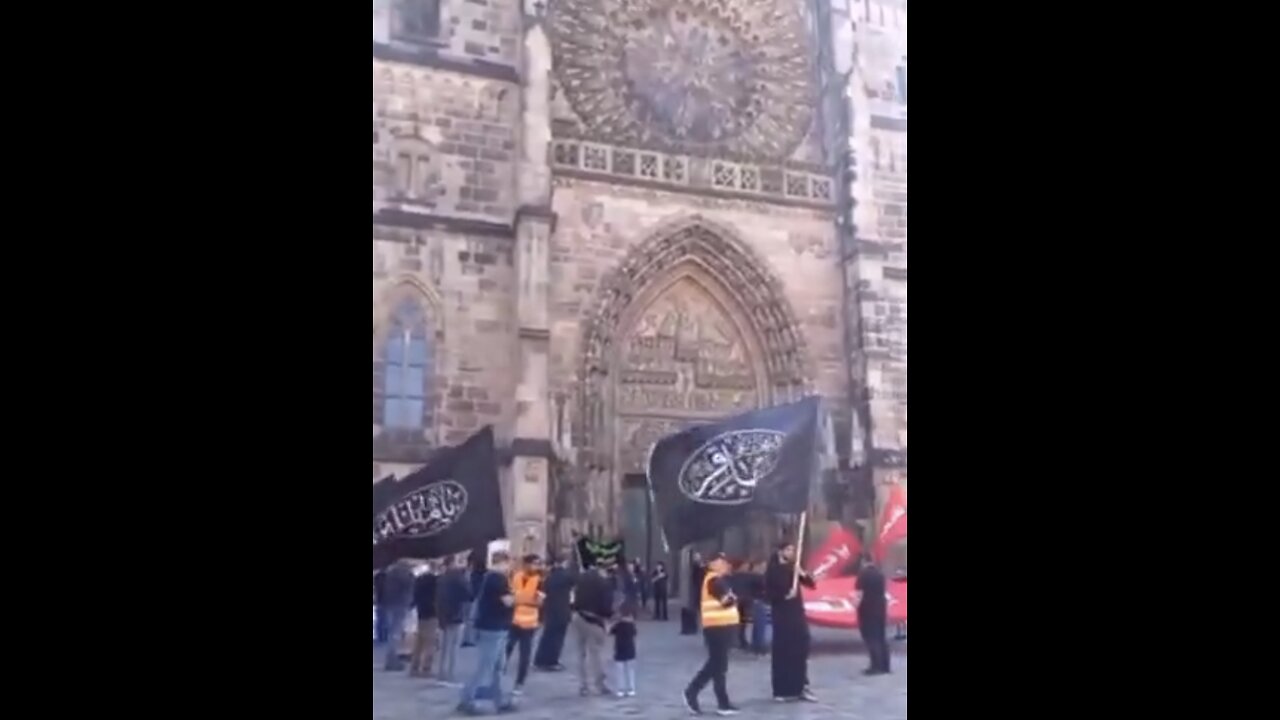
x=620 y=694
x=631 y=693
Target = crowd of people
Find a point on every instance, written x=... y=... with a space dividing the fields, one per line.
x=499 y=609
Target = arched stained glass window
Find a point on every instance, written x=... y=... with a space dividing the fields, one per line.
x=406 y=366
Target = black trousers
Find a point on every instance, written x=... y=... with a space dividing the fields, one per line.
x=718 y=641
x=524 y=638
x=550 y=644
x=873 y=636
x=659 y=606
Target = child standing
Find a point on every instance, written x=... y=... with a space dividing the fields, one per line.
x=624 y=650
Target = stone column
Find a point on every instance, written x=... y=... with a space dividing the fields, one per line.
x=532 y=446
x=869 y=41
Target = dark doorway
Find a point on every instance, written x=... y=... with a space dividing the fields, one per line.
x=639 y=526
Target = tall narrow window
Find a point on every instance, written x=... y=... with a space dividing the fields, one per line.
x=423 y=177
x=407 y=368
x=901 y=71
x=417 y=19
x=404 y=174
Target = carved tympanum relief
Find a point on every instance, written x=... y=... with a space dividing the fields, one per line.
x=685 y=354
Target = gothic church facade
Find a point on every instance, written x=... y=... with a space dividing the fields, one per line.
x=597 y=221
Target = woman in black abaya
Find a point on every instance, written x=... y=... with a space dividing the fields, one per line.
x=790 y=627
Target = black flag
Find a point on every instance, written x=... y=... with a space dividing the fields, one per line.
x=709 y=477
x=590 y=552
x=451 y=504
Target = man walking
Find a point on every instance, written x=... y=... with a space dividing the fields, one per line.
x=493 y=611
x=424 y=642
x=873 y=616
x=397 y=598
x=526 y=585
x=593 y=608
x=453 y=592
x=719 y=615
x=556 y=615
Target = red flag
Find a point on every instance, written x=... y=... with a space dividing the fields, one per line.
x=893 y=522
x=832 y=603
x=840 y=548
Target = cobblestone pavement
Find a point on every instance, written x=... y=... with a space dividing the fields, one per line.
x=666 y=663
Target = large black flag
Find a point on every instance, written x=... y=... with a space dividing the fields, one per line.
x=451 y=504
x=709 y=477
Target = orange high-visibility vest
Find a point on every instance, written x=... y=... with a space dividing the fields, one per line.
x=713 y=613
x=525 y=589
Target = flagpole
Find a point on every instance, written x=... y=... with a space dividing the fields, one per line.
x=653 y=501
x=795 y=575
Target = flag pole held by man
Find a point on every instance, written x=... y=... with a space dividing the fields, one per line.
x=712 y=477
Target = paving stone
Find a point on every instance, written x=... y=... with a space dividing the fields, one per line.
x=666 y=662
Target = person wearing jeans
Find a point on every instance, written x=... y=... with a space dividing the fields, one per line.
x=493 y=611
x=469 y=613
x=398 y=599
x=760 y=630
x=454 y=600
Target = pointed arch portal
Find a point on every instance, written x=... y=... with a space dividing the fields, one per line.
x=690 y=327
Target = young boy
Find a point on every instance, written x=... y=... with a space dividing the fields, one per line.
x=624 y=649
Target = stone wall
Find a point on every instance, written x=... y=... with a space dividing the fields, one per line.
x=870 y=37
x=467 y=282
x=487 y=30
x=444 y=142
x=508 y=211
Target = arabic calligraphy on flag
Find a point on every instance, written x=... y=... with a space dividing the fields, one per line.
x=451 y=504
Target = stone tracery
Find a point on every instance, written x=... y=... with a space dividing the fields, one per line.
x=690 y=315
x=689 y=76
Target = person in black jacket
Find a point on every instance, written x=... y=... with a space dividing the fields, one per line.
x=424 y=643
x=660 y=587
x=453 y=601
x=556 y=615
x=624 y=649
x=697 y=572
x=593 y=609
x=873 y=616
x=398 y=599
x=741 y=583
x=642 y=583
